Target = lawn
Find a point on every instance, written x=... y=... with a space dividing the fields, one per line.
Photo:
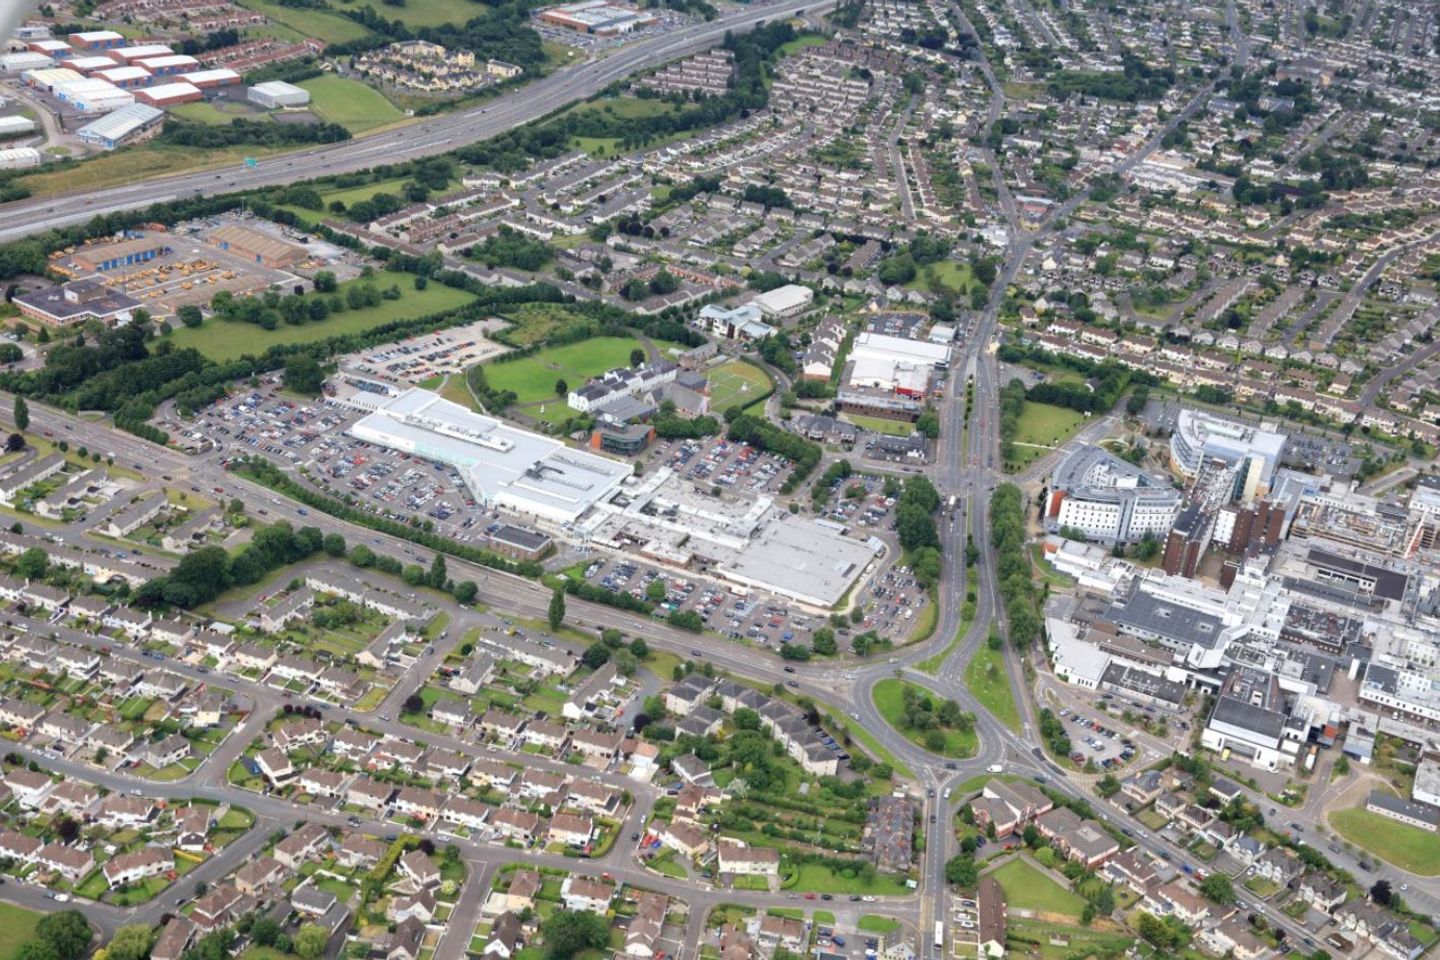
x=818 y=878
x=736 y=383
x=220 y=340
x=889 y=700
x=986 y=677
x=17 y=925
x=320 y=24
x=873 y=923
x=1042 y=427
x=354 y=105
x=222 y=111
x=533 y=378
x=947 y=274
x=1027 y=888
x=1408 y=848
x=429 y=13
x=894 y=428
x=791 y=47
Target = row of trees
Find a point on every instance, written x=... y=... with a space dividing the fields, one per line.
x=1012 y=565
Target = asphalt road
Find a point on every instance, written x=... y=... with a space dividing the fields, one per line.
x=420 y=139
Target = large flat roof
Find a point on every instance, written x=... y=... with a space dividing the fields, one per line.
x=501 y=464
x=808 y=562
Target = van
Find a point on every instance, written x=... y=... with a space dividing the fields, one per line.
x=995 y=768
x=946 y=794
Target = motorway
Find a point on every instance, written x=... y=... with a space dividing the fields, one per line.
x=409 y=141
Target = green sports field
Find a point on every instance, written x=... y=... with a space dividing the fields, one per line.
x=736 y=383
x=533 y=378
x=1407 y=847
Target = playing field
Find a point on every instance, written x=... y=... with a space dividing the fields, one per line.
x=222 y=340
x=533 y=378
x=736 y=383
x=1408 y=848
x=354 y=105
x=1042 y=427
x=429 y=13
x=1027 y=888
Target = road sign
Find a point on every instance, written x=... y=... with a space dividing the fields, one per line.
x=251 y=162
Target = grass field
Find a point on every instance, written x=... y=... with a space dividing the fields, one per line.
x=212 y=113
x=1042 y=426
x=1027 y=888
x=947 y=274
x=818 y=878
x=320 y=24
x=624 y=108
x=220 y=340
x=894 y=428
x=1408 y=848
x=889 y=700
x=428 y=13
x=17 y=925
x=736 y=382
x=533 y=378
x=986 y=677
x=354 y=105
x=134 y=164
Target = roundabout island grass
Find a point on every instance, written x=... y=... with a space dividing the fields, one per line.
x=903 y=704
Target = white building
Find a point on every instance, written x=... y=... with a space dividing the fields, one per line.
x=1251 y=452
x=275 y=94
x=790 y=300
x=1108 y=499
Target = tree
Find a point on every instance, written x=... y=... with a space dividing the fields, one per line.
x=962 y=871
x=36 y=949
x=561 y=387
x=656 y=591
x=465 y=592
x=438 y=575
x=22 y=414
x=414 y=703
x=190 y=315
x=640 y=648
x=637 y=357
x=334 y=544
x=556 y=611
x=66 y=932
x=15 y=443
x=264 y=931
x=310 y=941
x=568 y=932
x=1217 y=887
x=1381 y=894
x=304 y=375
x=32 y=564
x=133 y=941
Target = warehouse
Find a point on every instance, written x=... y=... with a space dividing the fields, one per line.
x=18 y=158
x=88 y=65
x=99 y=257
x=133 y=124
x=502 y=465
x=126 y=78
x=805 y=561
x=96 y=40
x=169 y=65
x=169 y=94
x=21 y=62
x=211 y=79
x=16 y=126
x=262 y=248
x=50 y=48
x=93 y=95
x=597 y=17
x=276 y=94
x=790 y=300
x=898 y=365
x=129 y=55
x=47 y=78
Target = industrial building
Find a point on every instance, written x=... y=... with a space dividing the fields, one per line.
x=1108 y=499
x=502 y=465
x=1250 y=453
x=256 y=245
x=896 y=365
x=169 y=94
x=276 y=94
x=97 y=40
x=18 y=158
x=169 y=64
x=99 y=257
x=126 y=78
x=16 y=126
x=92 y=95
x=76 y=302
x=129 y=55
x=211 y=79
x=781 y=303
x=133 y=124
x=598 y=17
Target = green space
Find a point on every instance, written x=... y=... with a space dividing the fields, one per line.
x=801 y=43
x=890 y=700
x=894 y=428
x=1041 y=427
x=988 y=680
x=134 y=164
x=220 y=340
x=1070 y=941
x=736 y=382
x=818 y=878
x=873 y=923
x=621 y=108
x=220 y=111
x=320 y=24
x=1409 y=848
x=354 y=105
x=1262 y=888
x=1028 y=888
x=533 y=378
x=17 y=925
x=943 y=275
x=430 y=13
